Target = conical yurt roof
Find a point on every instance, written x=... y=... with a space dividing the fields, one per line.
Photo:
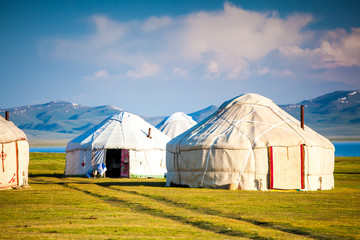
x=9 y=132
x=121 y=131
x=176 y=124
x=248 y=121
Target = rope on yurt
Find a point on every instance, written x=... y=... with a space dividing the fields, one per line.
x=178 y=147
x=177 y=164
x=251 y=147
x=251 y=150
x=278 y=113
x=122 y=126
x=232 y=125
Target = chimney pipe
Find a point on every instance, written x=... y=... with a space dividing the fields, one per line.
x=302 y=116
x=7 y=115
x=149 y=134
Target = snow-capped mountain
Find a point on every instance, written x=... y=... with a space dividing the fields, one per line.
x=59 y=116
x=332 y=114
x=336 y=113
x=60 y=119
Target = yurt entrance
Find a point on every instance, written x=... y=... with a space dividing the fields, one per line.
x=117 y=163
x=286 y=165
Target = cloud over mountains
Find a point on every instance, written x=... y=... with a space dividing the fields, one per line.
x=229 y=44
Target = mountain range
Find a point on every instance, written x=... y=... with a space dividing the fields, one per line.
x=333 y=114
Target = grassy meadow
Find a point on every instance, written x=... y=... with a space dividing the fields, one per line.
x=58 y=207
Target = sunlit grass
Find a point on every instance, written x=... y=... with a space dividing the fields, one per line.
x=59 y=207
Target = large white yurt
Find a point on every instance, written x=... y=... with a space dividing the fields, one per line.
x=250 y=143
x=176 y=124
x=125 y=144
x=14 y=156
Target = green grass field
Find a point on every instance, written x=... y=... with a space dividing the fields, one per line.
x=58 y=207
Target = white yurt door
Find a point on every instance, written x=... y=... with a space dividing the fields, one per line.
x=286 y=165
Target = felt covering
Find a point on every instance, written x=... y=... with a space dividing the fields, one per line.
x=124 y=131
x=14 y=155
x=231 y=147
x=176 y=124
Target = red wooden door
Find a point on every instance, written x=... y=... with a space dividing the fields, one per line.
x=286 y=167
x=125 y=162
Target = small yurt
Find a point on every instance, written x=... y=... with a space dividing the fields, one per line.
x=250 y=143
x=14 y=156
x=176 y=124
x=124 y=145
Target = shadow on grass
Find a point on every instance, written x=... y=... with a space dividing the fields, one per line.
x=55 y=175
x=157 y=212
x=287 y=228
x=104 y=182
x=353 y=173
x=132 y=184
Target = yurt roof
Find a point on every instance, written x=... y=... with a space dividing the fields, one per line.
x=121 y=131
x=176 y=124
x=179 y=116
x=9 y=132
x=249 y=120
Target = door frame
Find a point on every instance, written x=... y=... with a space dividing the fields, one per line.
x=302 y=166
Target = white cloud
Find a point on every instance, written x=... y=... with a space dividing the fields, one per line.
x=96 y=48
x=107 y=31
x=338 y=48
x=144 y=70
x=239 y=33
x=263 y=71
x=179 y=72
x=154 y=23
x=232 y=43
x=235 y=38
x=213 y=68
x=282 y=73
x=342 y=48
x=239 y=70
x=99 y=75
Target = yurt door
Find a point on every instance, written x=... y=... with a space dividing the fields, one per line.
x=113 y=159
x=124 y=169
x=286 y=165
x=8 y=163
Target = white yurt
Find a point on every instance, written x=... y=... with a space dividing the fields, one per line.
x=250 y=143
x=124 y=144
x=176 y=124
x=14 y=156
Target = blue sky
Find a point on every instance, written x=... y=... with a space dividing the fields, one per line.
x=159 y=57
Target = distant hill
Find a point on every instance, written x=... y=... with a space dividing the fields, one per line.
x=58 y=119
x=66 y=120
x=333 y=114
